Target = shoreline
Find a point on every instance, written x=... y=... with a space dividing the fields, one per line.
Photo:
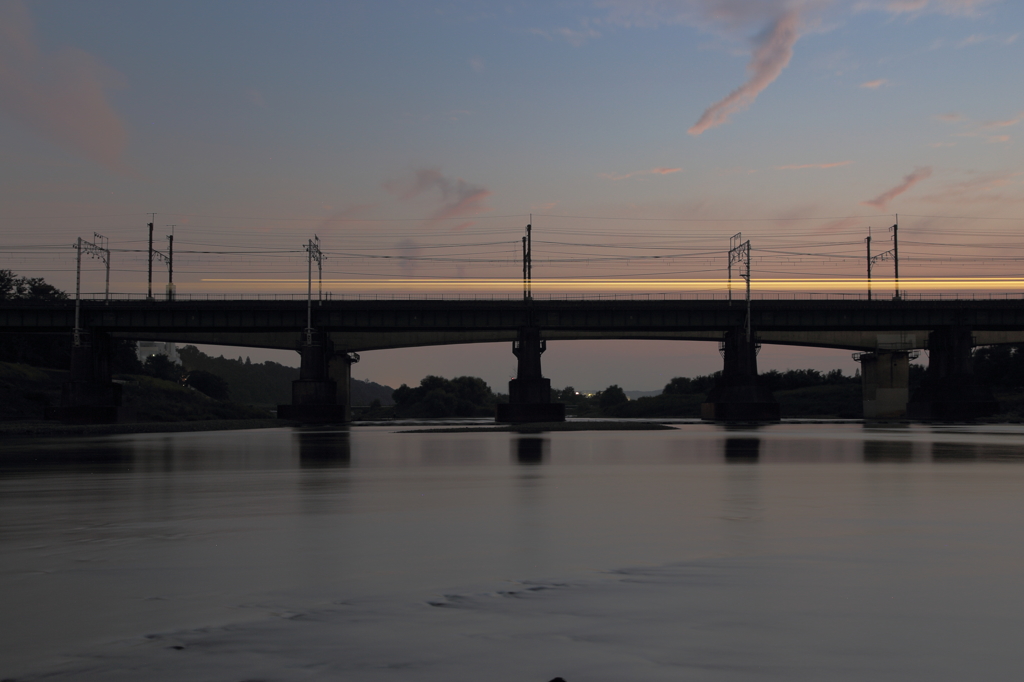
x=52 y=428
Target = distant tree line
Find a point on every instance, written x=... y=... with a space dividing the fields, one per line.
x=439 y=397
x=804 y=391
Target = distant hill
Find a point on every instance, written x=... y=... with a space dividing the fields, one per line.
x=269 y=383
x=365 y=392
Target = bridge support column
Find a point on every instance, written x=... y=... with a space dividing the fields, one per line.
x=90 y=397
x=314 y=393
x=529 y=394
x=885 y=377
x=950 y=391
x=738 y=395
x=340 y=372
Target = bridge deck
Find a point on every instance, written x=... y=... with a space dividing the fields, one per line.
x=365 y=325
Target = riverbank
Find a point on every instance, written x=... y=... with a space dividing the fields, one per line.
x=49 y=428
x=545 y=427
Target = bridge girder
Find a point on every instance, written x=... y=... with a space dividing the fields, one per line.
x=374 y=325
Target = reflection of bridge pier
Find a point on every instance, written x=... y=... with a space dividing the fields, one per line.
x=90 y=397
x=324 y=449
x=738 y=395
x=530 y=450
x=739 y=450
x=950 y=391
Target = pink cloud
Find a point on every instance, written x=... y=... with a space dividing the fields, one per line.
x=875 y=84
x=950 y=117
x=994 y=125
x=61 y=97
x=459 y=198
x=982 y=188
x=770 y=57
x=653 y=171
x=839 y=224
x=883 y=199
x=912 y=7
x=815 y=165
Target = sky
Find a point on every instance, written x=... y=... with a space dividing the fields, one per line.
x=416 y=140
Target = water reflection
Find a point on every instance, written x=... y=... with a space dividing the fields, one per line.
x=742 y=450
x=888 y=451
x=530 y=450
x=954 y=452
x=60 y=456
x=324 y=449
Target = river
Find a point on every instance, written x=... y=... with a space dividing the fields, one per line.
x=832 y=551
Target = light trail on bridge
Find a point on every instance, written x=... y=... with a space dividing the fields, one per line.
x=880 y=286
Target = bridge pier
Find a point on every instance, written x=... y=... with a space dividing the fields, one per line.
x=529 y=394
x=90 y=397
x=885 y=381
x=340 y=372
x=950 y=391
x=738 y=395
x=314 y=393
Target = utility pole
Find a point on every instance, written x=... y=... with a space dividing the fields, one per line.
x=895 y=229
x=159 y=255
x=314 y=253
x=149 y=294
x=101 y=249
x=528 y=262
x=739 y=252
x=892 y=254
x=867 y=241
x=98 y=249
x=77 y=334
x=170 y=264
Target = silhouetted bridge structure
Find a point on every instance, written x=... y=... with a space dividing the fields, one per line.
x=884 y=332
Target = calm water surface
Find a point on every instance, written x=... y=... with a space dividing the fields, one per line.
x=789 y=552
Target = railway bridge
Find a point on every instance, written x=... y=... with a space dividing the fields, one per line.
x=329 y=335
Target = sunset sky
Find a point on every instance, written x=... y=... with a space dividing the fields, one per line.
x=417 y=138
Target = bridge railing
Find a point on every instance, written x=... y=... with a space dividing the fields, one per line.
x=673 y=296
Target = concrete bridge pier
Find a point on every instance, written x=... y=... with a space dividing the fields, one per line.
x=90 y=397
x=885 y=381
x=950 y=391
x=529 y=394
x=738 y=394
x=340 y=372
x=314 y=393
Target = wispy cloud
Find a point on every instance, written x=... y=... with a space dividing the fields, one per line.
x=653 y=171
x=995 y=125
x=950 y=118
x=771 y=55
x=941 y=144
x=477 y=64
x=980 y=38
x=60 y=96
x=576 y=37
x=814 y=165
x=917 y=7
x=875 y=84
x=909 y=180
x=458 y=198
x=982 y=188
